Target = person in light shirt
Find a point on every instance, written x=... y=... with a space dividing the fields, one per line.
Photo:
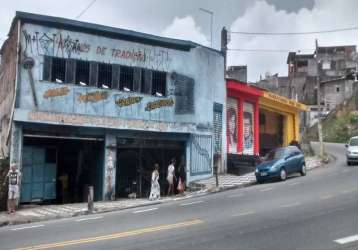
x=13 y=177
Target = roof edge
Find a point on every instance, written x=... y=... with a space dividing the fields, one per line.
x=107 y=31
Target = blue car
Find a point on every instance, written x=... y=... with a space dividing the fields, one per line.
x=281 y=162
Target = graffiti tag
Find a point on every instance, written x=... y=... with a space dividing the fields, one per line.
x=42 y=43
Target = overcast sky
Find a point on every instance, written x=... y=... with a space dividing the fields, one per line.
x=182 y=19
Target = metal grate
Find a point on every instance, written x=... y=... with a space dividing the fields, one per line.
x=58 y=70
x=218 y=123
x=159 y=83
x=82 y=72
x=104 y=75
x=126 y=78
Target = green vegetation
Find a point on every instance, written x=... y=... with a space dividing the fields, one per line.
x=340 y=125
x=342 y=128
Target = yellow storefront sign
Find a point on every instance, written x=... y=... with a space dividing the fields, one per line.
x=284 y=100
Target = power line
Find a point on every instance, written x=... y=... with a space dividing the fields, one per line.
x=270 y=50
x=293 y=33
x=85 y=9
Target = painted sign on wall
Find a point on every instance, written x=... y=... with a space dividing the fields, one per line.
x=67 y=44
x=248 y=128
x=56 y=92
x=232 y=119
x=159 y=104
x=93 y=96
x=123 y=102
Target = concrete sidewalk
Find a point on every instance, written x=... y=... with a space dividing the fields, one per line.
x=35 y=213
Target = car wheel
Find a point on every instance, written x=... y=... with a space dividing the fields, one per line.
x=259 y=181
x=303 y=171
x=348 y=163
x=283 y=174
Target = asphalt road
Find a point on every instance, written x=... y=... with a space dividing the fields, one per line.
x=318 y=211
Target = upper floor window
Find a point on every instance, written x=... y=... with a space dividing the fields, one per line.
x=126 y=78
x=104 y=75
x=82 y=72
x=159 y=80
x=58 y=70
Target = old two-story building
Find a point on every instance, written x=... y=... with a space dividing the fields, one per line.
x=89 y=105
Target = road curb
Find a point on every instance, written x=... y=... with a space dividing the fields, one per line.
x=96 y=211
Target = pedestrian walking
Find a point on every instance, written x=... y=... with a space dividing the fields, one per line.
x=155 y=187
x=13 y=177
x=171 y=177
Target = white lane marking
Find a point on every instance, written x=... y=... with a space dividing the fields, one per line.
x=191 y=203
x=22 y=228
x=294 y=183
x=348 y=239
x=91 y=218
x=145 y=210
x=235 y=195
x=243 y=214
x=326 y=197
x=291 y=205
x=266 y=189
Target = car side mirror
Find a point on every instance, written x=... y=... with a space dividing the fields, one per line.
x=346 y=145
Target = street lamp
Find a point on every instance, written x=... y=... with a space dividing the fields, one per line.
x=211 y=23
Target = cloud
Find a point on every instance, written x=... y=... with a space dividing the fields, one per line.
x=185 y=28
x=264 y=17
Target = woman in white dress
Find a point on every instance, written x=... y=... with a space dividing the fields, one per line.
x=170 y=177
x=155 y=188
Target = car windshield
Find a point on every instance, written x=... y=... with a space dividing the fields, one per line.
x=354 y=142
x=276 y=154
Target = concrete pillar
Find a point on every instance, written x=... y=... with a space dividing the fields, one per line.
x=16 y=144
x=110 y=163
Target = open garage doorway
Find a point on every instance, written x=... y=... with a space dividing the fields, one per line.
x=59 y=170
x=271 y=130
x=135 y=163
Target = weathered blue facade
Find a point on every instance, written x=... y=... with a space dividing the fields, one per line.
x=54 y=108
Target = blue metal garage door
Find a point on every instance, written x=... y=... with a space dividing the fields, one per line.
x=38 y=174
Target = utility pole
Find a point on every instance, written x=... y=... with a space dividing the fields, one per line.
x=224 y=41
x=211 y=23
x=319 y=123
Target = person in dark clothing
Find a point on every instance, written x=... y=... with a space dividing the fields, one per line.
x=182 y=176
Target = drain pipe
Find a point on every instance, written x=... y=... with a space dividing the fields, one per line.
x=28 y=64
